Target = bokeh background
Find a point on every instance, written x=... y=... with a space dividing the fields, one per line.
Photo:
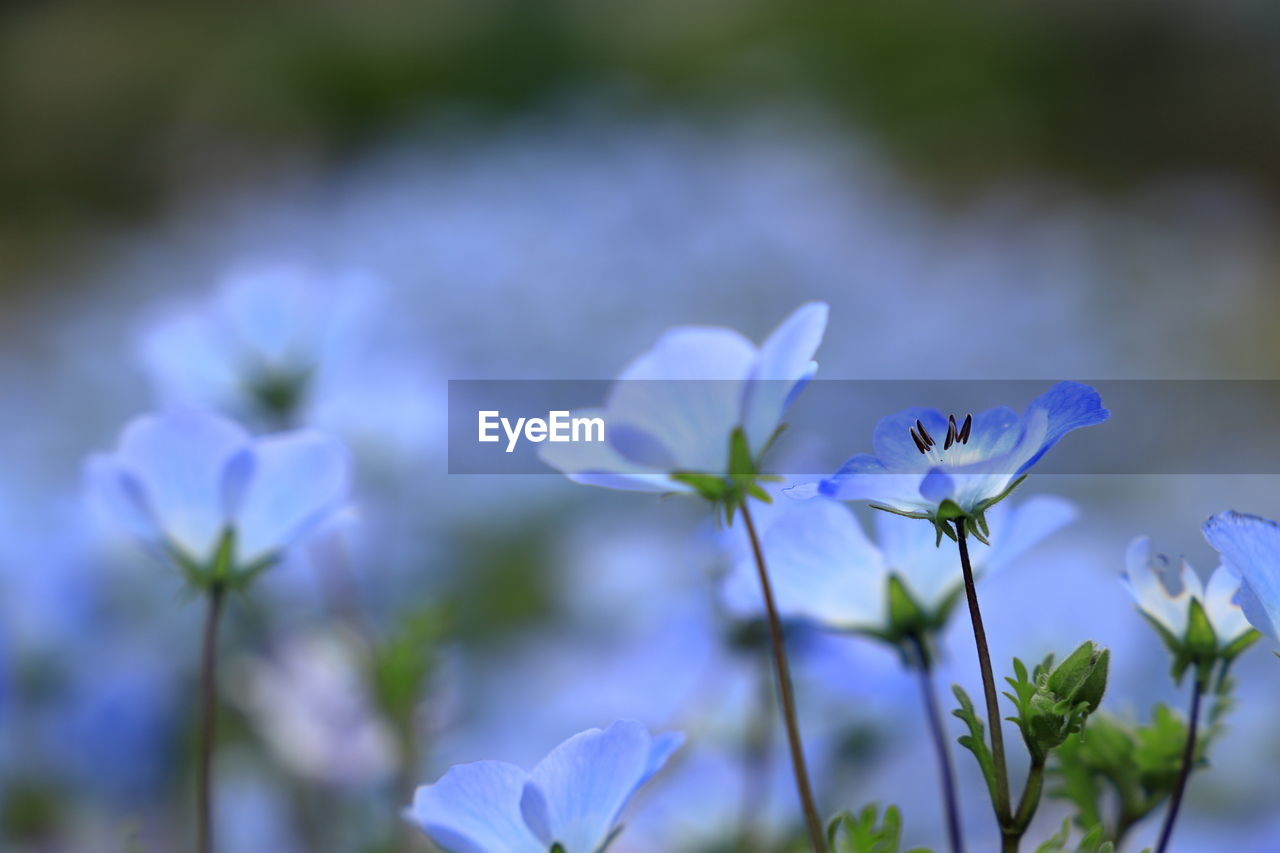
x=537 y=190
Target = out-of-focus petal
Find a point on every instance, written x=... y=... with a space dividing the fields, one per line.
x=784 y=362
x=179 y=461
x=475 y=808
x=298 y=479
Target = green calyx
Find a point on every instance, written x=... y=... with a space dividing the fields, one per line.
x=1199 y=647
x=950 y=513
x=222 y=571
x=742 y=482
x=910 y=627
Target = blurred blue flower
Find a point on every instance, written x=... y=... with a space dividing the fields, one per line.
x=266 y=339
x=183 y=482
x=826 y=570
x=663 y=415
x=1251 y=546
x=924 y=458
x=574 y=797
x=1166 y=596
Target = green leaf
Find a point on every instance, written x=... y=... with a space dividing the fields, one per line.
x=867 y=831
x=974 y=740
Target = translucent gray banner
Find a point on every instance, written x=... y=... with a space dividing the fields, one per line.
x=1156 y=426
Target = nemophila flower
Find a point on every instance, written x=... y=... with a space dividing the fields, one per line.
x=572 y=801
x=930 y=465
x=200 y=490
x=671 y=416
x=1200 y=623
x=258 y=349
x=1251 y=546
x=826 y=570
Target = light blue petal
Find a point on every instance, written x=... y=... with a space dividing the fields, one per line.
x=864 y=477
x=117 y=495
x=576 y=794
x=1068 y=406
x=910 y=549
x=822 y=568
x=1015 y=531
x=596 y=463
x=475 y=808
x=784 y=363
x=1222 y=605
x=1251 y=546
x=179 y=461
x=299 y=479
x=937 y=486
x=687 y=394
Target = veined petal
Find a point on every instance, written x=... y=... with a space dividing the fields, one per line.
x=1222 y=605
x=475 y=808
x=1251 y=546
x=576 y=794
x=298 y=479
x=178 y=460
x=785 y=361
x=821 y=565
x=1067 y=406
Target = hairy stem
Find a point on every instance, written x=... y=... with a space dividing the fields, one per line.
x=1027 y=805
x=1001 y=803
x=786 y=695
x=1188 y=760
x=933 y=714
x=208 y=720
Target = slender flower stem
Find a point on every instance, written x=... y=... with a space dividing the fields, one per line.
x=208 y=720
x=1027 y=805
x=788 y=700
x=1002 y=803
x=933 y=714
x=1188 y=759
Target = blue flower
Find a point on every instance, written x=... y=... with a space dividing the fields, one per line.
x=924 y=459
x=189 y=483
x=1251 y=546
x=663 y=416
x=266 y=346
x=573 y=798
x=1167 y=596
x=827 y=571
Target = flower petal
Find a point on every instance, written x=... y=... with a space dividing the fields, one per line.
x=475 y=808
x=686 y=395
x=1251 y=546
x=1147 y=578
x=577 y=793
x=821 y=565
x=597 y=463
x=1015 y=531
x=298 y=479
x=1068 y=406
x=784 y=364
x=179 y=461
x=1222 y=605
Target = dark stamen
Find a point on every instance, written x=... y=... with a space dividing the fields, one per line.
x=924 y=433
x=964 y=430
x=951 y=433
x=920 y=445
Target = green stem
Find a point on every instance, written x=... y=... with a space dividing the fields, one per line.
x=1188 y=761
x=786 y=695
x=1027 y=805
x=208 y=720
x=938 y=733
x=1001 y=798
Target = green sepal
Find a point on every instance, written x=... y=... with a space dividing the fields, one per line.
x=902 y=512
x=1201 y=641
x=1239 y=644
